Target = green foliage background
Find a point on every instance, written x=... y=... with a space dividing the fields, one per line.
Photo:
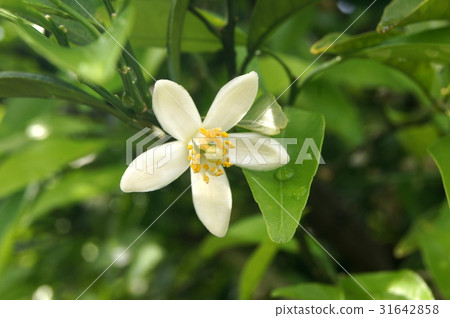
x=378 y=99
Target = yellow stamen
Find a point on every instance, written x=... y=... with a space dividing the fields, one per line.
x=224 y=134
x=205 y=166
x=189 y=158
x=190 y=147
x=204 y=132
x=205 y=178
x=213 y=169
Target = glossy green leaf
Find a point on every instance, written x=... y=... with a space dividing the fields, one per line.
x=267 y=15
x=403 y=284
x=347 y=44
x=402 y=12
x=430 y=45
x=265 y=117
x=440 y=151
x=245 y=232
x=174 y=36
x=75 y=186
x=14 y=84
x=434 y=243
x=95 y=62
x=309 y=291
x=282 y=194
x=41 y=160
x=255 y=268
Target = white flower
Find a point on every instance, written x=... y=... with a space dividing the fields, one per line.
x=205 y=147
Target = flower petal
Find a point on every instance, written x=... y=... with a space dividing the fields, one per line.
x=156 y=168
x=212 y=202
x=175 y=110
x=256 y=152
x=232 y=102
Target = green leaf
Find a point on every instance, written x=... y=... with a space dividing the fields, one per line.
x=75 y=186
x=265 y=117
x=441 y=154
x=289 y=185
x=174 y=36
x=248 y=231
x=434 y=243
x=95 y=62
x=402 y=12
x=15 y=84
x=255 y=268
x=41 y=160
x=430 y=45
x=309 y=291
x=403 y=284
x=267 y=15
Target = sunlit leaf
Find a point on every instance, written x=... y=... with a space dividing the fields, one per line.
x=96 y=61
x=403 y=284
x=41 y=160
x=289 y=185
x=265 y=117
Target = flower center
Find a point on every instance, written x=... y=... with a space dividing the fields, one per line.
x=209 y=152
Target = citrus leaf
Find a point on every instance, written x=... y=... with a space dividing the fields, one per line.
x=403 y=12
x=95 y=62
x=15 y=84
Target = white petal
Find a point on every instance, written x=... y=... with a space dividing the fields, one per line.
x=256 y=152
x=156 y=168
x=175 y=110
x=232 y=102
x=212 y=202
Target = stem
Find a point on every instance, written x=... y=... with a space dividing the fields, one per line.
x=227 y=37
